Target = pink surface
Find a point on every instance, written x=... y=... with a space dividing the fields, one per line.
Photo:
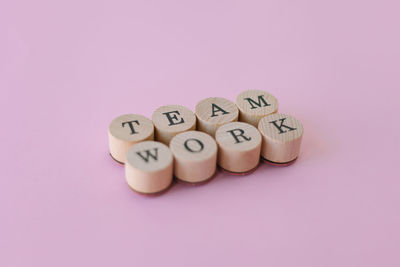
x=67 y=68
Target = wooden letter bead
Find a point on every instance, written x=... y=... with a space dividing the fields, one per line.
x=282 y=136
x=127 y=130
x=148 y=167
x=195 y=156
x=213 y=112
x=171 y=120
x=239 y=147
x=254 y=105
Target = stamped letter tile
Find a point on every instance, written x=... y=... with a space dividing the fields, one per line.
x=214 y=112
x=281 y=136
x=127 y=130
x=254 y=105
x=239 y=147
x=195 y=156
x=170 y=120
x=149 y=167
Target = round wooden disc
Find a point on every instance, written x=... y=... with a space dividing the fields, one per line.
x=148 y=167
x=282 y=135
x=170 y=120
x=239 y=147
x=195 y=156
x=254 y=105
x=213 y=112
x=127 y=130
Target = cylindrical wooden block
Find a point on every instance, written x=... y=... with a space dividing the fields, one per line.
x=127 y=130
x=170 y=120
x=195 y=156
x=254 y=105
x=148 y=167
x=213 y=112
x=239 y=147
x=281 y=136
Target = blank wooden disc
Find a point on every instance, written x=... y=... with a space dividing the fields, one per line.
x=213 y=112
x=148 y=167
x=254 y=105
x=127 y=130
x=281 y=136
x=239 y=147
x=170 y=120
x=195 y=156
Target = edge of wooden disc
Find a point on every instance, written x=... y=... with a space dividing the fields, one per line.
x=283 y=164
x=155 y=194
x=239 y=173
x=119 y=162
x=206 y=181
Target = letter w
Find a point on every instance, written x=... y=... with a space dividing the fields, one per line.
x=149 y=155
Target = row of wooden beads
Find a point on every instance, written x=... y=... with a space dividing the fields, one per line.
x=149 y=164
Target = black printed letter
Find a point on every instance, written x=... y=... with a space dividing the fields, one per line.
x=130 y=123
x=149 y=154
x=253 y=103
x=174 y=117
x=201 y=145
x=281 y=126
x=241 y=134
x=216 y=108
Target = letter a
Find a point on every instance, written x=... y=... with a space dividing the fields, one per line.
x=216 y=109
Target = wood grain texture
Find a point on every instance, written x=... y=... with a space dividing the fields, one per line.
x=170 y=120
x=239 y=146
x=127 y=130
x=254 y=105
x=282 y=135
x=149 y=167
x=195 y=156
x=214 y=112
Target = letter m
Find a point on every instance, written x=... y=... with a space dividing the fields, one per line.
x=259 y=103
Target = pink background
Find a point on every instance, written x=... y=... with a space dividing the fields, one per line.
x=67 y=68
